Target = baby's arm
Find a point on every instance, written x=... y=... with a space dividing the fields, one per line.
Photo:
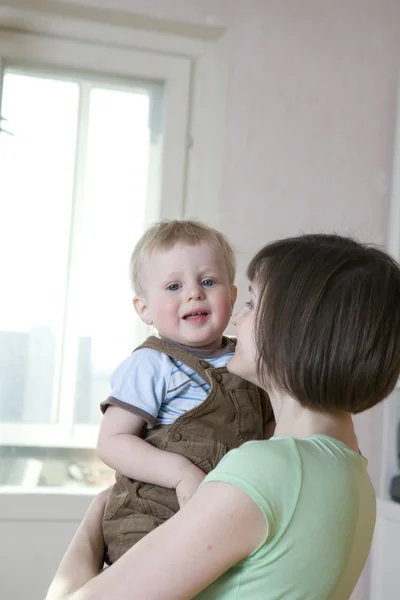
x=121 y=448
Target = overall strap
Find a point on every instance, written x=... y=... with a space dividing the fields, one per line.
x=179 y=353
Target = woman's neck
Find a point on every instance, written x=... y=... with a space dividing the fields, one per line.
x=293 y=420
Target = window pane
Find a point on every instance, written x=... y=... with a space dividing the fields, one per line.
x=73 y=199
x=37 y=166
x=115 y=190
x=30 y=467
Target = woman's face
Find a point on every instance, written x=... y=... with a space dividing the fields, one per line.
x=243 y=362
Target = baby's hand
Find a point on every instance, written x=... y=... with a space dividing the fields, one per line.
x=192 y=477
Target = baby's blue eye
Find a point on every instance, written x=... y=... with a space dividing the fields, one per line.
x=173 y=287
x=208 y=282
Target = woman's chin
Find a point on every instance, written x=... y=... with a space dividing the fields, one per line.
x=235 y=366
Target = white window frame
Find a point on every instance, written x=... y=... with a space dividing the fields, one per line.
x=205 y=48
x=62 y=431
x=194 y=75
x=40 y=50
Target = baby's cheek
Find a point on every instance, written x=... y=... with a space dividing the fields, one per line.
x=224 y=308
x=166 y=308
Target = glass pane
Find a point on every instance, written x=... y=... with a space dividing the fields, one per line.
x=31 y=467
x=36 y=178
x=113 y=215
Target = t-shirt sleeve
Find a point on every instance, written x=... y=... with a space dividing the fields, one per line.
x=257 y=469
x=139 y=384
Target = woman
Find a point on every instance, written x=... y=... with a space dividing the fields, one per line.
x=291 y=517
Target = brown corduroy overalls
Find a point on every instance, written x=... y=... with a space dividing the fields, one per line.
x=235 y=411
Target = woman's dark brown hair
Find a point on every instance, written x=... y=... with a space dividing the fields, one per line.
x=327 y=321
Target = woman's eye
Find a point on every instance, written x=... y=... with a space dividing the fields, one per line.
x=248 y=304
x=173 y=287
x=208 y=282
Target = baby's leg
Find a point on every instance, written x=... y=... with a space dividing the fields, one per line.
x=134 y=509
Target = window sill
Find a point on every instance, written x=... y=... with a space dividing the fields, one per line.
x=42 y=470
x=59 y=505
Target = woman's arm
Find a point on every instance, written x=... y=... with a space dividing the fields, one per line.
x=84 y=558
x=219 y=526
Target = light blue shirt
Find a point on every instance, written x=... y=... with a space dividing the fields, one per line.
x=159 y=387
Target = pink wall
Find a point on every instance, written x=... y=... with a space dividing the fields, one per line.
x=310 y=122
x=310 y=113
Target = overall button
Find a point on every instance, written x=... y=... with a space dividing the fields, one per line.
x=218 y=377
x=175 y=436
x=204 y=363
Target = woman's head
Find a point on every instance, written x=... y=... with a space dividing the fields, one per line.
x=323 y=324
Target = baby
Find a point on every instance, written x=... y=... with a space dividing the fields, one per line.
x=174 y=410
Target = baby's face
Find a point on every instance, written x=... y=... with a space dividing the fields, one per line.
x=187 y=295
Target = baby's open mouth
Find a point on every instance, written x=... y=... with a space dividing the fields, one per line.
x=195 y=314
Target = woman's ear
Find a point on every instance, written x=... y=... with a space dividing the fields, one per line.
x=141 y=308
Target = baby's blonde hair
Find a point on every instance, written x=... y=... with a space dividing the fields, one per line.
x=165 y=234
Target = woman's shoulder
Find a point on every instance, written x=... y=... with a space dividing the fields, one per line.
x=257 y=463
x=269 y=472
x=279 y=449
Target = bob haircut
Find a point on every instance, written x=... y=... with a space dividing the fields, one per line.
x=327 y=322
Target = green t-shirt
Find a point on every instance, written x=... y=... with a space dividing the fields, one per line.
x=320 y=507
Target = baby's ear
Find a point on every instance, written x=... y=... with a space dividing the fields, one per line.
x=233 y=294
x=139 y=304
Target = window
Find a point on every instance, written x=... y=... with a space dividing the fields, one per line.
x=96 y=151
x=65 y=238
